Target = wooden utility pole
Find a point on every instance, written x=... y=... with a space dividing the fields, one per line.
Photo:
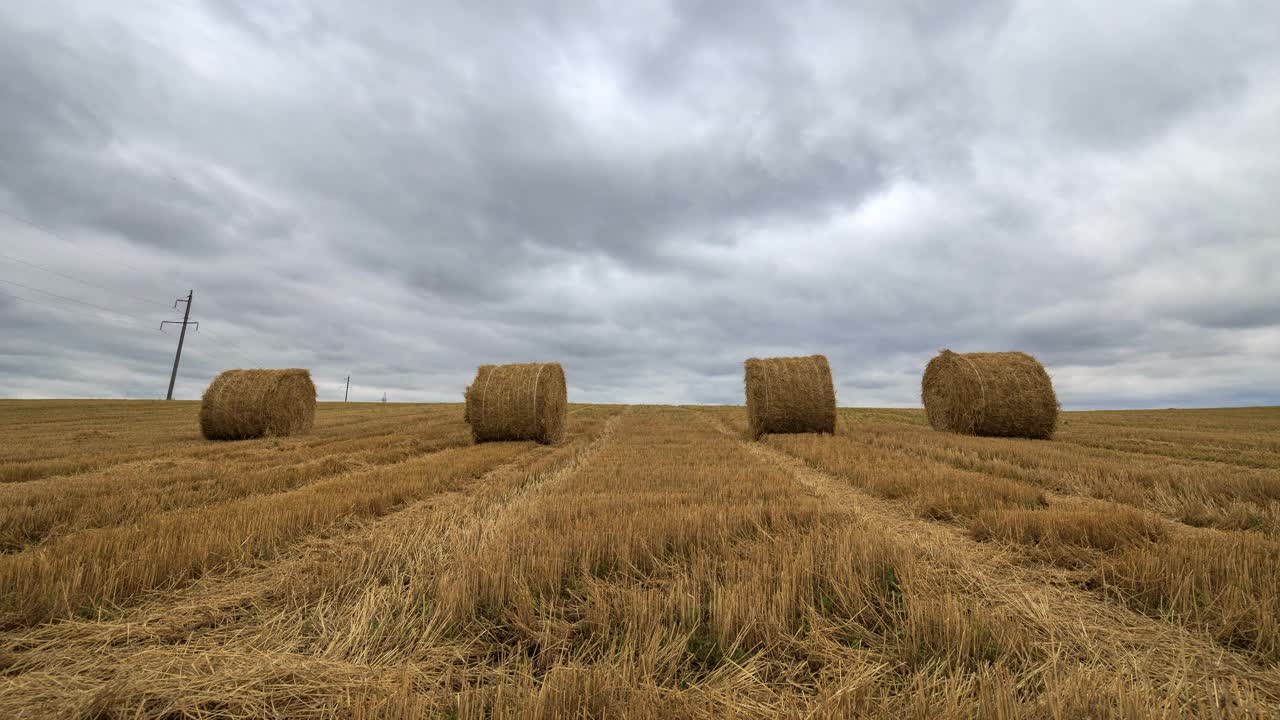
x=186 y=320
x=347 y=392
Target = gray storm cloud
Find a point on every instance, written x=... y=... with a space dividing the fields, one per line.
x=647 y=194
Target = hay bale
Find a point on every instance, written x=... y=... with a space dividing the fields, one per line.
x=525 y=401
x=998 y=394
x=790 y=395
x=242 y=404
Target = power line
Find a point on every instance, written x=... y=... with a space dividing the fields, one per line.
x=227 y=349
x=214 y=338
x=76 y=279
x=74 y=300
x=52 y=233
x=225 y=344
x=30 y=223
x=49 y=305
x=216 y=348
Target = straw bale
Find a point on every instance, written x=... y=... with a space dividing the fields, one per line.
x=242 y=404
x=998 y=394
x=523 y=401
x=790 y=395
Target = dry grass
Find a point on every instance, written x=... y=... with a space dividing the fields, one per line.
x=1229 y=590
x=656 y=564
x=1197 y=492
x=1104 y=528
x=43 y=510
x=48 y=439
x=86 y=572
x=1228 y=584
x=1068 y=537
x=1245 y=437
x=933 y=490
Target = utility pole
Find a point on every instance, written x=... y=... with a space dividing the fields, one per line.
x=186 y=320
x=347 y=392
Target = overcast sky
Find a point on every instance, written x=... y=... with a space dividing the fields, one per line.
x=648 y=193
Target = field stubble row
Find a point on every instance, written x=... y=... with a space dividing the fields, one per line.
x=1222 y=582
x=218 y=522
x=657 y=566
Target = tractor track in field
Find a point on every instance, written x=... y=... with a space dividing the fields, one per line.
x=1042 y=596
x=221 y=601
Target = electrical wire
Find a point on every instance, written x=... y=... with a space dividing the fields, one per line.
x=50 y=232
x=53 y=233
x=38 y=266
x=135 y=318
x=228 y=346
x=57 y=307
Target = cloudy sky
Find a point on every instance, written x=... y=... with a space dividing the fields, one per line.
x=646 y=192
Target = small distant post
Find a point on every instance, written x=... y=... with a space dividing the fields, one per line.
x=348 y=390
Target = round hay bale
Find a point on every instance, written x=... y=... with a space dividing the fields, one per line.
x=524 y=401
x=997 y=394
x=790 y=395
x=242 y=404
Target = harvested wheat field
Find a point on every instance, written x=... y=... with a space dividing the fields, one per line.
x=655 y=563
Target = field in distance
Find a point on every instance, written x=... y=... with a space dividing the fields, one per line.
x=656 y=564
